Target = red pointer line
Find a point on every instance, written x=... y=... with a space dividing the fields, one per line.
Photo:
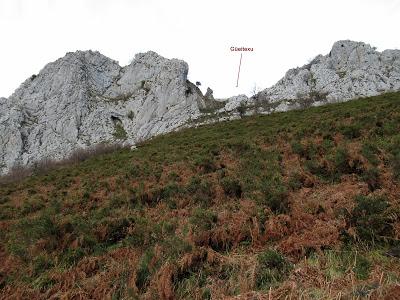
x=237 y=81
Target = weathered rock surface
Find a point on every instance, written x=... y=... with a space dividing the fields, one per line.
x=86 y=98
x=234 y=102
x=350 y=70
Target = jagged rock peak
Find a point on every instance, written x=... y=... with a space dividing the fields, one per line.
x=86 y=98
x=350 y=70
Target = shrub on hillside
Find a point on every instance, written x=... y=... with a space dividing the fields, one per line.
x=231 y=187
x=295 y=182
x=117 y=230
x=275 y=195
x=206 y=165
x=200 y=190
x=344 y=164
x=318 y=168
x=351 y=131
x=371 y=177
x=272 y=267
x=371 y=219
x=202 y=219
x=370 y=152
x=362 y=267
x=155 y=195
x=298 y=148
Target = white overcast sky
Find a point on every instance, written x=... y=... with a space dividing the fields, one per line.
x=283 y=33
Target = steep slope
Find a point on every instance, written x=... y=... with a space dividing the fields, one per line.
x=86 y=98
x=296 y=205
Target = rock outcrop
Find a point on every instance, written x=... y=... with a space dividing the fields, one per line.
x=350 y=70
x=86 y=98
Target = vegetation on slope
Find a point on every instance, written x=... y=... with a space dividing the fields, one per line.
x=302 y=204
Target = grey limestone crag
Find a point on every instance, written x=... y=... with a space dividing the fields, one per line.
x=86 y=98
x=350 y=70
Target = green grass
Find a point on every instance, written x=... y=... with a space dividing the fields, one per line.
x=120 y=132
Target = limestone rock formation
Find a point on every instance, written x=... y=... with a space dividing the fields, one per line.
x=86 y=98
x=209 y=94
x=234 y=102
x=350 y=70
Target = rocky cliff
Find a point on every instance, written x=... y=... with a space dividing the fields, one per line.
x=350 y=70
x=86 y=98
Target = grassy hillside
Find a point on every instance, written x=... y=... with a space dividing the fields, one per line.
x=302 y=204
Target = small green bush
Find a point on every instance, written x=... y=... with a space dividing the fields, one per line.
x=231 y=187
x=4 y=200
x=200 y=190
x=298 y=148
x=341 y=161
x=206 y=294
x=155 y=195
x=206 y=165
x=240 y=147
x=370 y=218
x=173 y=176
x=119 y=132
x=371 y=177
x=386 y=128
x=141 y=234
x=131 y=115
x=272 y=267
x=116 y=230
x=32 y=205
x=308 y=151
x=70 y=257
x=362 y=268
x=370 y=151
x=40 y=264
x=318 y=168
x=275 y=195
x=344 y=165
x=43 y=282
x=295 y=181
x=352 y=131
x=202 y=219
